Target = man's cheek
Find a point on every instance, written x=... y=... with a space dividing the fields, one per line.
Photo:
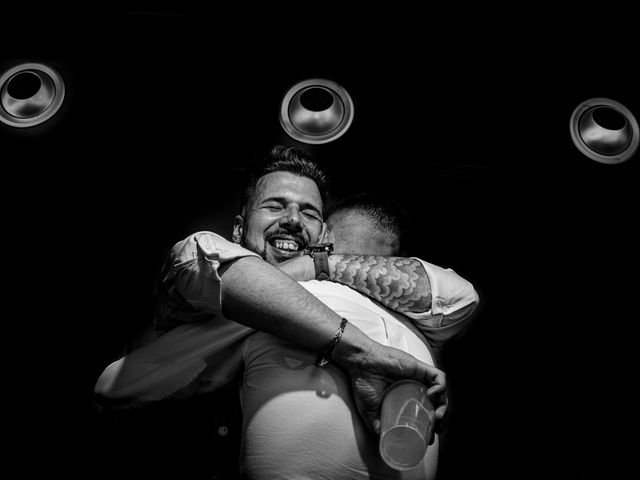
x=316 y=236
x=247 y=243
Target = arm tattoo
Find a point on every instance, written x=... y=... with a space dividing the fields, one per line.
x=400 y=284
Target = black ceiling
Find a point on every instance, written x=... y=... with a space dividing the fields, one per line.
x=462 y=114
x=469 y=100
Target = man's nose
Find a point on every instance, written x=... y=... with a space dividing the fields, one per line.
x=291 y=218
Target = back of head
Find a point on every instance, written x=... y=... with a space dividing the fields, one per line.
x=283 y=158
x=368 y=224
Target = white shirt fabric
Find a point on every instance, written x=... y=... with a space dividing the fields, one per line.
x=299 y=420
x=190 y=289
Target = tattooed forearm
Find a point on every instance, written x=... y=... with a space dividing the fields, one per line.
x=400 y=284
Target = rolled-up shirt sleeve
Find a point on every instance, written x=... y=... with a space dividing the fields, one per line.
x=189 y=289
x=453 y=301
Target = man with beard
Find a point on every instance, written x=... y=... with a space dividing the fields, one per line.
x=215 y=294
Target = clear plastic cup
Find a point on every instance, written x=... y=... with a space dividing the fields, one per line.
x=406 y=424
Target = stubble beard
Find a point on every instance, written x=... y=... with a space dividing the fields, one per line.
x=249 y=245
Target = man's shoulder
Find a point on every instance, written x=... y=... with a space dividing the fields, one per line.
x=207 y=244
x=204 y=240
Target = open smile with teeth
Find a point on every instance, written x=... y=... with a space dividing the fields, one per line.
x=286 y=245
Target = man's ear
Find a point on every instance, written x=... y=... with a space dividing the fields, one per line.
x=326 y=236
x=238 y=225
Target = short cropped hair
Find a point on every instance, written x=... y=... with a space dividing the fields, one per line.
x=384 y=213
x=283 y=158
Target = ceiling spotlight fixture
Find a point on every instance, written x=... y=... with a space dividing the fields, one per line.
x=604 y=130
x=30 y=94
x=316 y=111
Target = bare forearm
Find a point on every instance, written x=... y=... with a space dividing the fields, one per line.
x=260 y=296
x=400 y=284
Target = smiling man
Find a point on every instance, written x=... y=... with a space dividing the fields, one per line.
x=214 y=294
x=238 y=290
x=284 y=210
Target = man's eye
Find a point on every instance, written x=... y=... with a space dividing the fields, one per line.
x=273 y=208
x=311 y=214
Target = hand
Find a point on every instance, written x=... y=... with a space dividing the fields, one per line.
x=381 y=367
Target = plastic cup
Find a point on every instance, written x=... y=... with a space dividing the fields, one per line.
x=406 y=424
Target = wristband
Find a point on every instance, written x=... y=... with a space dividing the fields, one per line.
x=325 y=356
x=320 y=254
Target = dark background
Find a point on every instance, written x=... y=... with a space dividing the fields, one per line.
x=462 y=115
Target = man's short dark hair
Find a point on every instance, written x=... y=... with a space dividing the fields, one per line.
x=384 y=212
x=283 y=158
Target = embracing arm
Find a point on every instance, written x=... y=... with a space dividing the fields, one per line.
x=209 y=280
x=260 y=296
x=400 y=284
x=405 y=285
x=438 y=300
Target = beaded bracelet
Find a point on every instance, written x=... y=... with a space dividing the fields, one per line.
x=324 y=358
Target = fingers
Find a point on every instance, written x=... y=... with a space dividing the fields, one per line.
x=373 y=422
x=436 y=378
x=437 y=393
x=368 y=392
x=437 y=390
x=369 y=384
x=425 y=373
x=376 y=426
x=441 y=415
